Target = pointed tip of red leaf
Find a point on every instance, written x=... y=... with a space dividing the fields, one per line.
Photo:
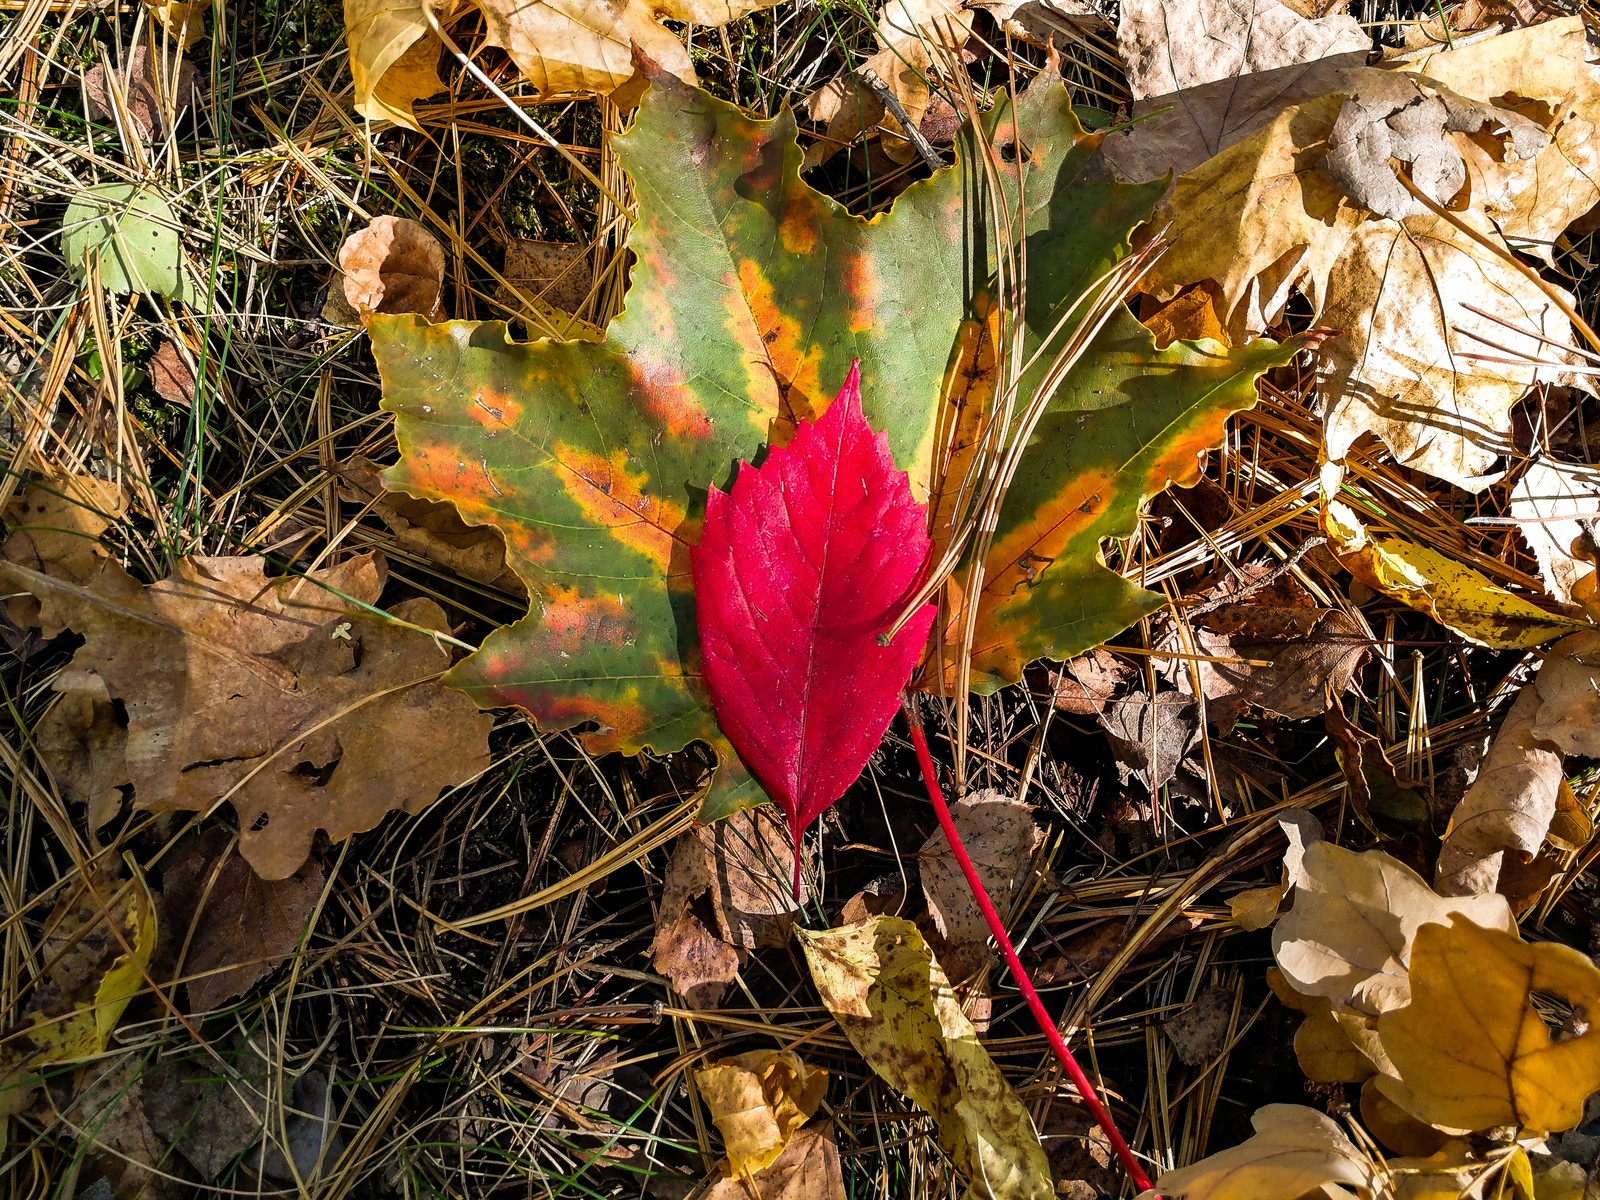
x=799 y=569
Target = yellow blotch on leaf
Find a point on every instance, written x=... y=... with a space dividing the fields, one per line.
x=613 y=496
x=758 y=1100
x=1471 y=1050
x=1457 y=597
x=891 y=998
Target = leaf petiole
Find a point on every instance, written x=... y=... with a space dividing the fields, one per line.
x=1047 y=1026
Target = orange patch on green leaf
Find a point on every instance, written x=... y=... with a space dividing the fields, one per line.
x=798 y=229
x=1017 y=559
x=965 y=402
x=794 y=365
x=861 y=286
x=494 y=411
x=613 y=497
x=570 y=621
x=668 y=400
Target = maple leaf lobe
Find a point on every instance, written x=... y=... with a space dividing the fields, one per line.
x=802 y=564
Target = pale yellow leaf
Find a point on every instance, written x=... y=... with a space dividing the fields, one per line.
x=394 y=56
x=758 y=1100
x=1296 y=1151
x=892 y=1000
x=1348 y=937
x=1471 y=1049
x=1552 y=501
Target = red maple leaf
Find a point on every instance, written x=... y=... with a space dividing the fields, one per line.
x=801 y=567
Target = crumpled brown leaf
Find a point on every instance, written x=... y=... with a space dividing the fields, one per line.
x=558 y=274
x=55 y=527
x=1086 y=686
x=304 y=711
x=237 y=927
x=430 y=529
x=909 y=34
x=1152 y=737
x=170 y=376
x=1274 y=649
x=758 y=1101
x=394 y=265
x=1506 y=814
x=1348 y=937
x=145 y=93
x=562 y=47
x=1398 y=291
x=1296 y=1151
x=1223 y=69
x=727 y=891
x=1001 y=837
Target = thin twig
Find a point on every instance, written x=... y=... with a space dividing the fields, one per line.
x=889 y=100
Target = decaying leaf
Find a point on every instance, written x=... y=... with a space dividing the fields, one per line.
x=592 y=457
x=1410 y=296
x=55 y=527
x=808 y=1169
x=558 y=274
x=1087 y=685
x=1152 y=737
x=394 y=265
x=1509 y=806
x=303 y=710
x=430 y=529
x=1557 y=505
x=1275 y=649
x=880 y=981
x=170 y=376
x=1430 y=582
x=1568 y=685
x=1000 y=837
x=150 y=88
x=726 y=891
x=1349 y=936
x=1296 y=1152
x=114 y=1133
x=758 y=1101
x=1474 y=1048
x=1221 y=69
x=232 y=926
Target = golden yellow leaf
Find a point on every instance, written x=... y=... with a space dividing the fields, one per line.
x=1408 y=291
x=1456 y=596
x=882 y=985
x=94 y=973
x=394 y=56
x=1296 y=1151
x=757 y=1101
x=1348 y=937
x=1472 y=1051
x=1255 y=908
x=185 y=20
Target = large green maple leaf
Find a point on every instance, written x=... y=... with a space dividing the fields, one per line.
x=750 y=295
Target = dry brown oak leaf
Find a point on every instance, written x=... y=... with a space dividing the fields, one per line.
x=302 y=710
x=153 y=89
x=1412 y=298
x=230 y=927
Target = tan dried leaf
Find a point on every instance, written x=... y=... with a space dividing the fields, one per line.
x=394 y=265
x=237 y=927
x=303 y=710
x=1472 y=1049
x=1568 y=685
x=1556 y=504
x=808 y=1169
x=171 y=376
x=85 y=744
x=146 y=94
x=430 y=529
x=1086 y=686
x=758 y=1101
x=1296 y=1152
x=698 y=963
x=1001 y=837
x=1348 y=937
x=1402 y=293
x=558 y=274
x=1509 y=806
x=394 y=56
x=1222 y=69
x=55 y=529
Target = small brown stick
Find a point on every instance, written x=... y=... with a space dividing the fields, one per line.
x=1255 y=585
x=889 y=100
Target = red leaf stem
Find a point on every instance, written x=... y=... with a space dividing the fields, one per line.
x=1047 y=1026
